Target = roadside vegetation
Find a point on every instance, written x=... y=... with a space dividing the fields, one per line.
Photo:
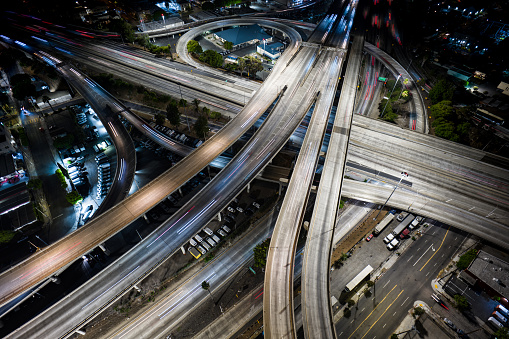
x=466 y=259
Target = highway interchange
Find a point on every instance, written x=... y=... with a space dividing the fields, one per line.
x=307 y=54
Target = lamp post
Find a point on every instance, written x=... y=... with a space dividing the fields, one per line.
x=403 y=175
x=382 y=114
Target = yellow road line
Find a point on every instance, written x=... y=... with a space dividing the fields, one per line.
x=381 y=315
x=436 y=250
x=372 y=311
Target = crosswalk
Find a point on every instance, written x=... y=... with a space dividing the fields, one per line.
x=32 y=120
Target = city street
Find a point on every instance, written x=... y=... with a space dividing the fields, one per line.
x=409 y=279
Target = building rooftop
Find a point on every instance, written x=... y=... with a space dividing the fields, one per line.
x=493 y=271
x=6 y=164
x=239 y=35
x=271 y=48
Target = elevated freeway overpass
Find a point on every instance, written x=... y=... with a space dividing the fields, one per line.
x=147 y=206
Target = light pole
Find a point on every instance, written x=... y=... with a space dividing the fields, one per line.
x=403 y=175
x=382 y=114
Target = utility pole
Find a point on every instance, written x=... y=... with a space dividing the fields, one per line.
x=403 y=175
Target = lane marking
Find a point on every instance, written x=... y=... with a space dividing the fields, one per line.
x=369 y=329
x=422 y=255
x=372 y=311
x=404 y=301
x=438 y=249
x=386 y=284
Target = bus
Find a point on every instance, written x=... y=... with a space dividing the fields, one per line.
x=358 y=278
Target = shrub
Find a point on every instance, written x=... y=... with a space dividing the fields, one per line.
x=61 y=178
x=461 y=302
x=418 y=311
x=73 y=197
x=466 y=259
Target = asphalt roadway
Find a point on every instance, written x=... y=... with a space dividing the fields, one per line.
x=407 y=280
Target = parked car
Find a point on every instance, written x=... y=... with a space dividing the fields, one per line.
x=369 y=237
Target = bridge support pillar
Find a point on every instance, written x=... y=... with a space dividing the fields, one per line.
x=248 y=188
x=81 y=332
x=146 y=218
x=281 y=182
x=183 y=250
x=219 y=216
x=180 y=191
x=137 y=288
x=55 y=279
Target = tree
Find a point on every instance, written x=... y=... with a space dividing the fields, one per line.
x=260 y=253
x=389 y=114
x=443 y=110
x=443 y=90
x=215 y=115
x=466 y=259
x=194 y=47
x=196 y=104
x=160 y=119
x=351 y=302
x=207 y=6
x=6 y=236
x=254 y=65
x=173 y=114
x=201 y=126
x=461 y=302
x=445 y=129
x=34 y=183
x=418 y=311
x=123 y=28
x=47 y=99
x=73 y=197
x=463 y=128
x=502 y=333
x=242 y=65
x=22 y=86
x=206 y=286
x=212 y=58
x=347 y=313
x=228 y=45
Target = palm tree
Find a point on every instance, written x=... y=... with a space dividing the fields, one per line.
x=196 y=104
x=46 y=99
x=206 y=286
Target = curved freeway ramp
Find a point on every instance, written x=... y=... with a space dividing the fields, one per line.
x=86 y=302
x=418 y=118
x=191 y=34
x=100 y=101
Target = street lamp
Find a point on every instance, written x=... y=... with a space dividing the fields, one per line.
x=382 y=114
x=403 y=175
